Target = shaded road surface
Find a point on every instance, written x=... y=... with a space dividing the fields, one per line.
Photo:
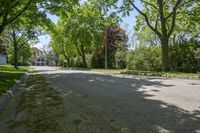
x=70 y=101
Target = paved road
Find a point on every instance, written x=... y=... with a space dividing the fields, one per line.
x=72 y=101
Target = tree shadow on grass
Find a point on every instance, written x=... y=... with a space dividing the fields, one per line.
x=7 y=80
x=121 y=98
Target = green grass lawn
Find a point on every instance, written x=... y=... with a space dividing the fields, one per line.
x=108 y=70
x=9 y=76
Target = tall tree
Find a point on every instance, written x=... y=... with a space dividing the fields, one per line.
x=116 y=39
x=18 y=36
x=61 y=42
x=82 y=26
x=160 y=16
x=85 y=26
x=23 y=55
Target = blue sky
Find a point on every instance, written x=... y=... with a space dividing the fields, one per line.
x=127 y=24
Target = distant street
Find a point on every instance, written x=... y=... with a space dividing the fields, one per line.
x=58 y=100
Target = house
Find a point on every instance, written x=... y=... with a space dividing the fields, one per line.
x=3 y=53
x=41 y=61
x=38 y=59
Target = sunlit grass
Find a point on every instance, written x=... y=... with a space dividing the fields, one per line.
x=109 y=70
x=9 y=76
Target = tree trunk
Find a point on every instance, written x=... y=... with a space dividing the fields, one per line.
x=15 y=55
x=1 y=30
x=68 y=62
x=165 y=53
x=84 y=61
x=67 y=58
x=81 y=52
x=174 y=40
x=83 y=57
x=106 y=48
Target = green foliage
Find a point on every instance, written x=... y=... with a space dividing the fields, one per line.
x=147 y=37
x=185 y=56
x=62 y=44
x=188 y=20
x=79 y=36
x=24 y=55
x=116 y=39
x=78 y=62
x=36 y=10
x=89 y=60
x=11 y=10
x=145 y=58
x=161 y=17
x=78 y=32
x=19 y=37
x=120 y=59
x=98 y=59
x=130 y=63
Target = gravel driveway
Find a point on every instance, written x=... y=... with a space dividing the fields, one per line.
x=94 y=102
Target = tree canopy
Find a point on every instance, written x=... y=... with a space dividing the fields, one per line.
x=88 y=32
x=161 y=17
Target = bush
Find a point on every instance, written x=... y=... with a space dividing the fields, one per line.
x=145 y=58
x=78 y=62
x=130 y=63
x=185 y=56
x=120 y=59
x=88 y=60
x=115 y=60
x=98 y=59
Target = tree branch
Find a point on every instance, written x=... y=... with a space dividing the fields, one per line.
x=184 y=3
x=178 y=2
x=78 y=50
x=150 y=4
x=170 y=14
x=156 y=24
x=63 y=50
x=15 y=4
x=11 y=19
x=146 y=18
x=164 y=2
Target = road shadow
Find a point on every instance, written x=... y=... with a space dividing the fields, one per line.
x=120 y=97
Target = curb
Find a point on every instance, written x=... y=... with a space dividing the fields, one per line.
x=163 y=75
x=4 y=99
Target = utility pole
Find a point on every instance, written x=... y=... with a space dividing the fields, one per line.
x=106 y=47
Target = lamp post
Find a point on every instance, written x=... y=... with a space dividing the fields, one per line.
x=106 y=47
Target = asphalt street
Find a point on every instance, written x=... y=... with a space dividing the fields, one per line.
x=80 y=101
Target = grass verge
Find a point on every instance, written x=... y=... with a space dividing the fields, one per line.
x=144 y=73
x=154 y=73
x=9 y=76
